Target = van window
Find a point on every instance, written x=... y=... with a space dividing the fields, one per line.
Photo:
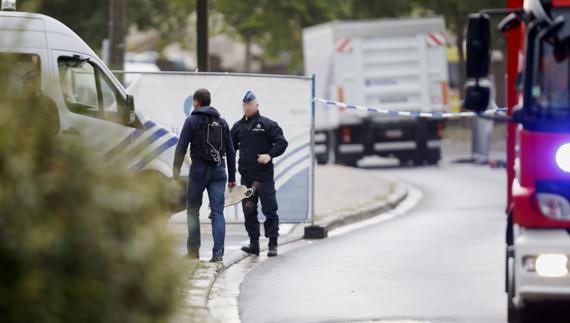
x=21 y=90
x=15 y=69
x=88 y=91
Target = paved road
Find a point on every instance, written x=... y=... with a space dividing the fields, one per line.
x=440 y=262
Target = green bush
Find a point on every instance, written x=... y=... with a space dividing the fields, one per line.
x=80 y=241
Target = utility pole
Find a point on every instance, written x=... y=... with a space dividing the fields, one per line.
x=117 y=34
x=202 y=33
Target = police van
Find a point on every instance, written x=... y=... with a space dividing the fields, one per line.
x=91 y=103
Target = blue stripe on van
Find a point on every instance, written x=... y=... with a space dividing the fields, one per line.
x=153 y=154
x=161 y=132
x=149 y=124
x=123 y=144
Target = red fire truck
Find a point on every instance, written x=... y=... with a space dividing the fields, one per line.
x=538 y=149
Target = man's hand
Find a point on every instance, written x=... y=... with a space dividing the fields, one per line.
x=231 y=185
x=263 y=159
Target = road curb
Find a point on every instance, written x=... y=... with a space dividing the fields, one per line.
x=204 y=276
x=365 y=212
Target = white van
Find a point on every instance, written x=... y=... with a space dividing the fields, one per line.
x=92 y=104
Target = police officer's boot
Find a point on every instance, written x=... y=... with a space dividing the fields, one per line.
x=272 y=251
x=252 y=248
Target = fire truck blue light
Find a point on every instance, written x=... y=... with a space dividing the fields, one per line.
x=563 y=157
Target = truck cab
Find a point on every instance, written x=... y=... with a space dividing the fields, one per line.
x=538 y=156
x=92 y=105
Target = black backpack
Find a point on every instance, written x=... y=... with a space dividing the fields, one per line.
x=212 y=139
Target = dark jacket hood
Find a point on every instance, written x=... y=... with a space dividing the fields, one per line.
x=207 y=111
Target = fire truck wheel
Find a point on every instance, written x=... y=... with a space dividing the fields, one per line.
x=513 y=312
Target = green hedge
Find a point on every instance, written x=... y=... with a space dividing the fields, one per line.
x=80 y=241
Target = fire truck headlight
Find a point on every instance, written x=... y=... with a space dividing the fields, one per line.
x=563 y=157
x=554 y=206
x=552 y=265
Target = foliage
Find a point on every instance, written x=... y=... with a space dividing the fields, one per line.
x=89 y=18
x=277 y=25
x=274 y=25
x=456 y=13
x=80 y=241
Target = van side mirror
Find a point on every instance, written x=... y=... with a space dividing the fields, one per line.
x=477 y=95
x=130 y=109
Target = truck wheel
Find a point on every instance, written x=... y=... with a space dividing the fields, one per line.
x=513 y=313
x=321 y=160
x=404 y=162
x=523 y=315
x=350 y=163
x=418 y=161
x=432 y=160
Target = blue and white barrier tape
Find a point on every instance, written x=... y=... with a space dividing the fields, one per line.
x=438 y=115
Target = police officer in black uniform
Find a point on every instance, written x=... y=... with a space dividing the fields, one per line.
x=259 y=140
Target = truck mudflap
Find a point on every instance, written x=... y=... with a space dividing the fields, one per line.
x=350 y=144
x=409 y=140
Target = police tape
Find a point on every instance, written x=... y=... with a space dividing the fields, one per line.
x=417 y=114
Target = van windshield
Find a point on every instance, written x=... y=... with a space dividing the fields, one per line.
x=21 y=74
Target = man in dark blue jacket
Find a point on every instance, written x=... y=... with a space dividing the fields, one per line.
x=210 y=141
x=259 y=140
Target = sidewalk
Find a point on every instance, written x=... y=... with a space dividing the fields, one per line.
x=337 y=204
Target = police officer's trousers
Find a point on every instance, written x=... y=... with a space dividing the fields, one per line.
x=265 y=192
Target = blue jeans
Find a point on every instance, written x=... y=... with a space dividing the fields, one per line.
x=212 y=178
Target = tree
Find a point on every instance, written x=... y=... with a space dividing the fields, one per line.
x=277 y=25
x=274 y=25
x=366 y=9
x=88 y=18
x=456 y=13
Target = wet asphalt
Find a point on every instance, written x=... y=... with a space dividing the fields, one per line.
x=442 y=261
